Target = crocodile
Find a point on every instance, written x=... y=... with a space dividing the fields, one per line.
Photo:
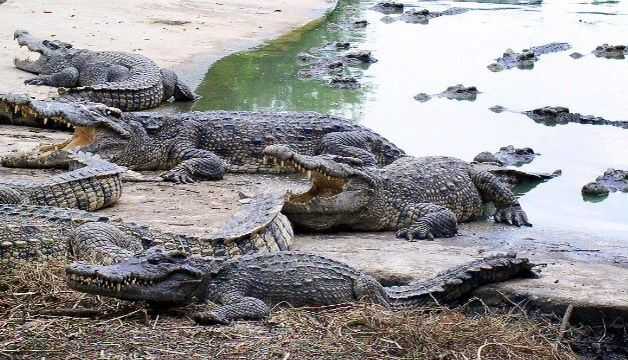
x=40 y=233
x=192 y=146
x=249 y=286
x=526 y=58
x=93 y=185
x=456 y=92
x=420 y=198
x=507 y=156
x=611 y=181
x=127 y=81
x=560 y=115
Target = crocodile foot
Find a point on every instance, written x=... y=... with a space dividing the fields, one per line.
x=208 y=318
x=512 y=215
x=35 y=81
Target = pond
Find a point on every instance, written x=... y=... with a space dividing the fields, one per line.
x=456 y=49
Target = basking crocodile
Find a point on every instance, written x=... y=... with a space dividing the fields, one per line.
x=95 y=184
x=196 y=145
x=249 y=286
x=127 y=81
x=30 y=232
x=421 y=198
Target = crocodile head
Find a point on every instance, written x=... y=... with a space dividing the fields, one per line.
x=159 y=276
x=97 y=128
x=53 y=54
x=340 y=189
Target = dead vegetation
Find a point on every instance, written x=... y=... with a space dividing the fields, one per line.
x=41 y=317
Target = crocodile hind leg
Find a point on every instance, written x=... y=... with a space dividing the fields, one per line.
x=491 y=189
x=196 y=164
x=426 y=221
x=354 y=144
x=234 y=308
x=102 y=243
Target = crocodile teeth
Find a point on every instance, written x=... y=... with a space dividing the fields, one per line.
x=309 y=174
x=45 y=121
x=265 y=160
x=118 y=287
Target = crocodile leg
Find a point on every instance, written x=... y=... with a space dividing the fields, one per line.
x=9 y=195
x=426 y=221
x=491 y=189
x=353 y=144
x=68 y=77
x=102 y=243
x=196 y=164
x=235 y=307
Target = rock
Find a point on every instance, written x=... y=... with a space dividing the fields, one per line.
x=576 y=55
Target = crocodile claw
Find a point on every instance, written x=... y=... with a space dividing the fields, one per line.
x=512 y=215
x=413 y=233
x=34 y=81
x=209 y=318
x=177 y=177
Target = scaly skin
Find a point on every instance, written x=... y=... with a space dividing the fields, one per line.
x=127 y=81
x=247 y=287
x=37 y=233
x=197 y=145
x=420 y=198
x=95 y=185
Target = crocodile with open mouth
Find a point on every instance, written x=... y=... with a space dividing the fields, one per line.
x=248 y=286
x=38 y=233
x=127 y=81
x=420 y=198
x=191 y=146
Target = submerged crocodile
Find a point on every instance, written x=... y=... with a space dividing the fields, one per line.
x=127 y=81
x=196 y=145
x=34 y=233
x=560 y=115
x=94 y=185
x=456 y=92
x=526 y=58
x=420 y=198
x=247 y=287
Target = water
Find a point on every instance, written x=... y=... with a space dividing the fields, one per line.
x=416 y=58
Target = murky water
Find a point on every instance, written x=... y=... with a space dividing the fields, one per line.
x=415 y=58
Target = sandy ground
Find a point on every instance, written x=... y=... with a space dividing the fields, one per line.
x=209 y=29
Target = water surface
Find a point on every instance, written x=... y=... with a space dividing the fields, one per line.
x=416 y=58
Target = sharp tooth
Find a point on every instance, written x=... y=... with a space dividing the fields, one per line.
x=265 y=160
x=45 y=121
x=309 y=174
x=68 y=125
x=283 y=163
x=118 y=286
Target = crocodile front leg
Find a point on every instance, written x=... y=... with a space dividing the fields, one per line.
x=68 y=77
x=235 y=307
x=196 y=164
x=491 y=189
x=426 y=221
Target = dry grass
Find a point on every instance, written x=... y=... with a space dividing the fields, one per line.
x=31 y=296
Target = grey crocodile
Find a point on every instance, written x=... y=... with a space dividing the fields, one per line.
x=456 y=92
x=507 y=156
x=247 y=287
x=611 y=181
x=39 y=233
x=196 y=145
x=611 y=51
x=560 y=115
x=126 y=81
x=420 y=198
x=93 y=185
x=423 y=16
x=526 y=58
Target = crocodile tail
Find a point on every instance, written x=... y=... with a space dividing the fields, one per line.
x=457 y=282
x=125 y=98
